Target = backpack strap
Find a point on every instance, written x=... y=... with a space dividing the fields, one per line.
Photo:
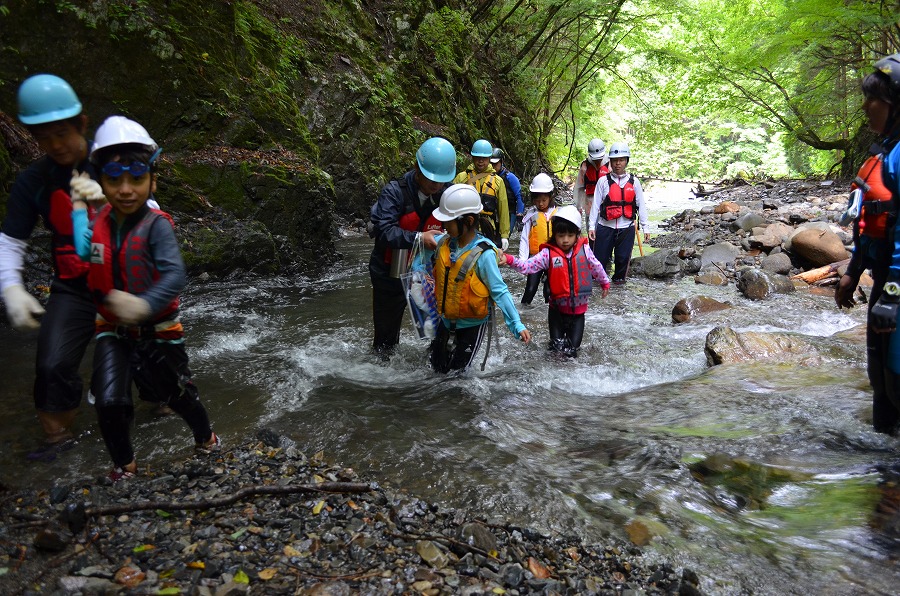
x=471 y=259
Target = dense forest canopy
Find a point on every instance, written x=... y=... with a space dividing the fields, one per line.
x=701 y=88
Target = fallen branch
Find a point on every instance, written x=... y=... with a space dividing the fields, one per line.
x=818 y=273
x=77 y=514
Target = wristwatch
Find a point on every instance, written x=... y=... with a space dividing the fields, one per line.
x=892 y=289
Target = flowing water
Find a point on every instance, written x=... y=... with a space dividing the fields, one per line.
x=593 y=446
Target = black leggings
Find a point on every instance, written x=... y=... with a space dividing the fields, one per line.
x=531 y=286
x=566 y=332
x=885 y=381
x=66 y=330
x=160 y=370
x=459 y=357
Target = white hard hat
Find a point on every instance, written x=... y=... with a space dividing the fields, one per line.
x=119 y=130
x=596 y=149
x=541 y=183
x=458 y=200
x=569 y=213
x=619 y=150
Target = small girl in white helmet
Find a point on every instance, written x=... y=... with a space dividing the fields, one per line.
x=467 y=282
x=571 y=266
x=136 y=275
x=536 y=229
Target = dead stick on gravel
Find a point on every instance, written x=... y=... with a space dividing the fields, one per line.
x=820 y=272
x=250 y=491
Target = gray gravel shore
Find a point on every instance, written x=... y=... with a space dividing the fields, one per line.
x=263 y=518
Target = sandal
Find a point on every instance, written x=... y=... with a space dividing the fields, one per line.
x=48 y=452
x=214 y=444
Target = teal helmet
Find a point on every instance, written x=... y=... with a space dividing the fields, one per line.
x=481 y=148
x=437 y=159
x=46 y=98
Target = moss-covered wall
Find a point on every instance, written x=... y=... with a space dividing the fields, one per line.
x=346 y=90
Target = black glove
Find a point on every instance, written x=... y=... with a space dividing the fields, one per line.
x=884 y=313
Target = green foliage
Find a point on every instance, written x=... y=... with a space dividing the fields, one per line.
x=446 y=35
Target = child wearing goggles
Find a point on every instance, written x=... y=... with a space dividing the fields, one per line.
x=140 y=338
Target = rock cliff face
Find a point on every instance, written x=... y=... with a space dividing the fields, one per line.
x=290 y=114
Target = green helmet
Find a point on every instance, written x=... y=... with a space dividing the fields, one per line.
x=46 y=98
x=437 y=160
x=481 y=148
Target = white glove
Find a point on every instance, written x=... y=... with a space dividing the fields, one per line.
x=128 y=308
x=504 y=244
x=84 y=188
x=21 y=307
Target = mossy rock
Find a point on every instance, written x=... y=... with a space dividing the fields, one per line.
x=222 y=249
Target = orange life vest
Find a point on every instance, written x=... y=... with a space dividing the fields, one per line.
x=460 y=293
x=623 y=206
x=876 y=206
x=540 y=230
x=569 y=277
x=129 y=266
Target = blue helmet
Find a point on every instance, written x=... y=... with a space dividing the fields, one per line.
x=481 y=148
x=437 y=159
x=46 y=98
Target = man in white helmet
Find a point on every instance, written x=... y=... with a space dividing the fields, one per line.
x=592 y=169
x=53 y=114
x=618 y=203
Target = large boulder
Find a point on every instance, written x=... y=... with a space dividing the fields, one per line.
x=723 y=252
x=711 y=276
x=757 y=284
x=748 y=221
x=660 y=264
x=818 y=247
x=724 y=345
x=779 y=263
x=726 y=207
x=687 y=308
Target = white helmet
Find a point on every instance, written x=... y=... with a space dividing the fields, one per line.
x=569 y=213
x=119 y=130
x=458 y=200
x=541 y=183
x=596 y=149
x=619 y=150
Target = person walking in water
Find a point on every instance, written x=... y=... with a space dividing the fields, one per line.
x=877 y=244
x=570 y=267
x=536 y=229
x=399 y=218
x=51 y=110
x=136 y=275
x=593 y=168
x=467 y=283
x=513 y=187
x=618 y=203
x=494 y=220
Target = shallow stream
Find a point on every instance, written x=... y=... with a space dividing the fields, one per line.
x=598 y=446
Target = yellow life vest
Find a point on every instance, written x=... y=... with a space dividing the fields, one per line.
x=540 y=231
x=460 y=293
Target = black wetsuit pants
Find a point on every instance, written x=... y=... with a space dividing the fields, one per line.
x=66 y=330
x=388 y=306
x=566 y=332
x=885 y=382
x=532 y=282
x=160 y=371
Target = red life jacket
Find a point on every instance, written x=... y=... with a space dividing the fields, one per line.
x=876 y=206
x=66 y=261
x=129 y=266
x=591 y=175
x=411 y=220
x=624 y=205
x=569 y=276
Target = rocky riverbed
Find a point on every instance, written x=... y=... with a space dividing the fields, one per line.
x=264 y=518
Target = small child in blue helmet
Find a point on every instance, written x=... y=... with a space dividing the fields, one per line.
x=140 y=338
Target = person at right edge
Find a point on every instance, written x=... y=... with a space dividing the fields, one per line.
x=878 y=244
x=400 y=217
x=51 y=110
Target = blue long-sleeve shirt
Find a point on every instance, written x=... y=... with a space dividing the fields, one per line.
x=488 y=272
x=891 y=175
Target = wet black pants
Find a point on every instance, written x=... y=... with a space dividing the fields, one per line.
x=566 y=332
x=532 y=282
x=616 y=245
x=885 y=382
x=388 y=306
x=459 y=356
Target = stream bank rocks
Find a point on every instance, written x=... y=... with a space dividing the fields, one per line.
x=755 y=237
x=361 y=538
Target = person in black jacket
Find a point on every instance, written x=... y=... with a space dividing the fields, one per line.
x=401 y=217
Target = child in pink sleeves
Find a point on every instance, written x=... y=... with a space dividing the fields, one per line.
x=571 y=266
